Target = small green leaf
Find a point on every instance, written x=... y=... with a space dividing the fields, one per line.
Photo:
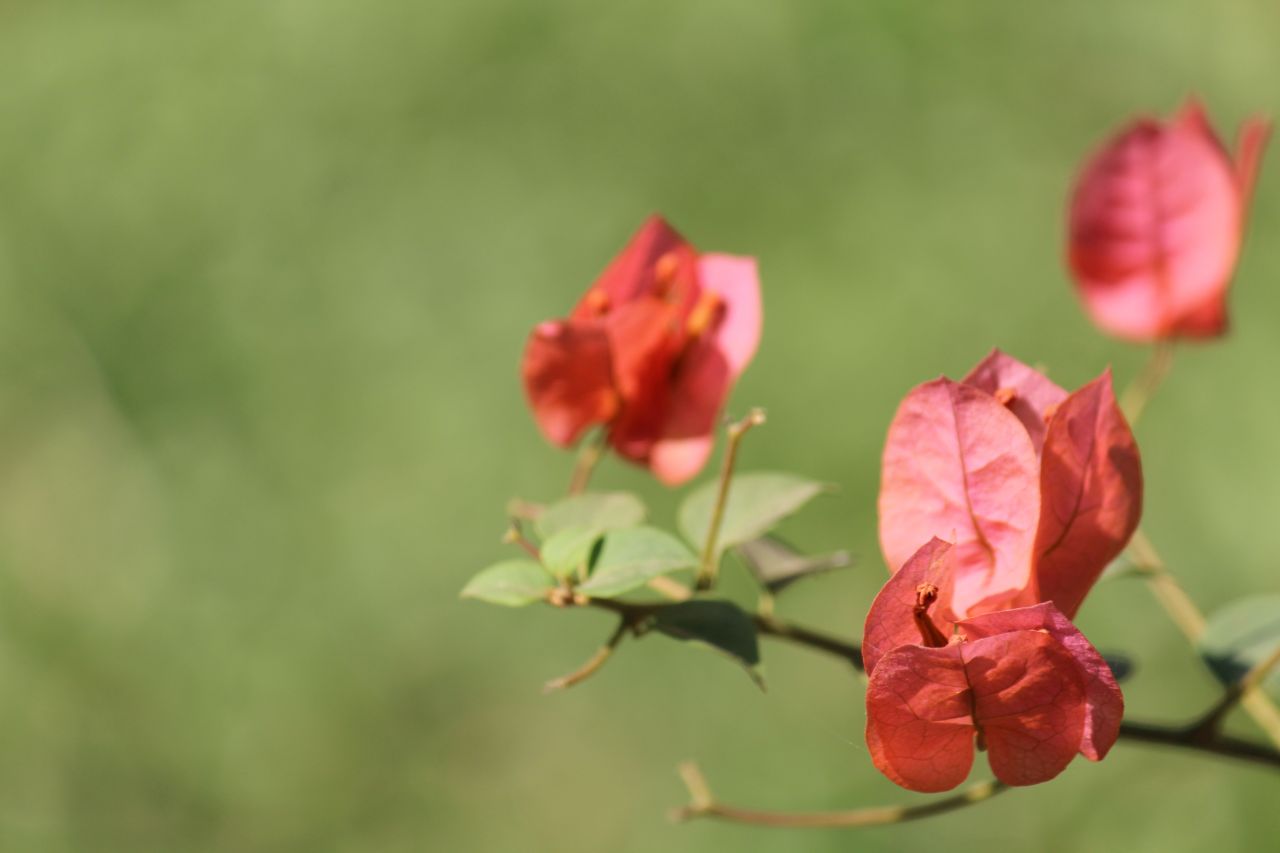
x=756 y=503
x=719 y=625
x=595 y=510
x=567 y=549
x=1240 y=636
x=776 y=565
x=629 y=558
x=512 y=583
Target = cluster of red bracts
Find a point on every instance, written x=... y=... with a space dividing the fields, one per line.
x=1038 y=490
x=649 y=353
x=1034 y=489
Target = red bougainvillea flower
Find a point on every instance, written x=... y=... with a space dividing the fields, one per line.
x=650 y=352
x=1156 y=224
x=1038 y=489
x=1022 y=683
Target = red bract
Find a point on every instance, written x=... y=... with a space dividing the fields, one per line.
x=1037 y=488
x=1156 y=223
x=650 y=352
x=1023 y=683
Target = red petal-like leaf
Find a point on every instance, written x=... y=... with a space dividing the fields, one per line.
x=889 y=622
x=1023 y=390
x=1090 y=494
x=1028 y=701
x=1155 y=228
x=959 y=465
x=645 y=339
x=1104 y=703
x=638 y=267
x=708 y=369
x=568 y=379
x=919 y=724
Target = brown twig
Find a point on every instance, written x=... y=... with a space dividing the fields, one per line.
x=1187 y=616
x=703 y=805
x=1210 y=724
x=593 y=665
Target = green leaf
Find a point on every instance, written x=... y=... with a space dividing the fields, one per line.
x=512 y=583
x=1240 y=636
x=719 y=625
x=595 y=510
x=568 y=549
x=629 y=558
x=776 y=565
x=756 y=503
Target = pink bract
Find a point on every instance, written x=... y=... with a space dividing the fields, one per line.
x=1037 y=488
x=1156 y=222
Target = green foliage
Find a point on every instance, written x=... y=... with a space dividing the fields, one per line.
x=593 y=510
x=718 y=625
x=776 y=565
x=512 y=583
x=1242 y=635
x=756 y=503
x=568 y=550
x=630 y=557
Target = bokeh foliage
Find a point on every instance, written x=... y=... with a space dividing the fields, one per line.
x=266 y=269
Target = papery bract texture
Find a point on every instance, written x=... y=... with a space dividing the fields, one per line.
x=1023 y=390
x=1024 y=682
x=1104 y=703
x=889 y=621
x=649 y=353
x=1039 y=489
x=957 y=464
x=1090 y=494
x=1156 y=223
x=1019 y=689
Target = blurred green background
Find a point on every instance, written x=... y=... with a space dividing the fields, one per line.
x=266 y=270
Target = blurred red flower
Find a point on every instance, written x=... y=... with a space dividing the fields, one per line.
x=649 y=353
x=1156 y=223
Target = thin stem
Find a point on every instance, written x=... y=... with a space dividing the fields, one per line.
x=703 y=805
x=771 y=626
x=710 y=565
x=1211 y=722
x=588 y=457
x=515 y=536
x=1187 y=616
x=593 y=665
x=1134 y=399
x=1181 y=737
